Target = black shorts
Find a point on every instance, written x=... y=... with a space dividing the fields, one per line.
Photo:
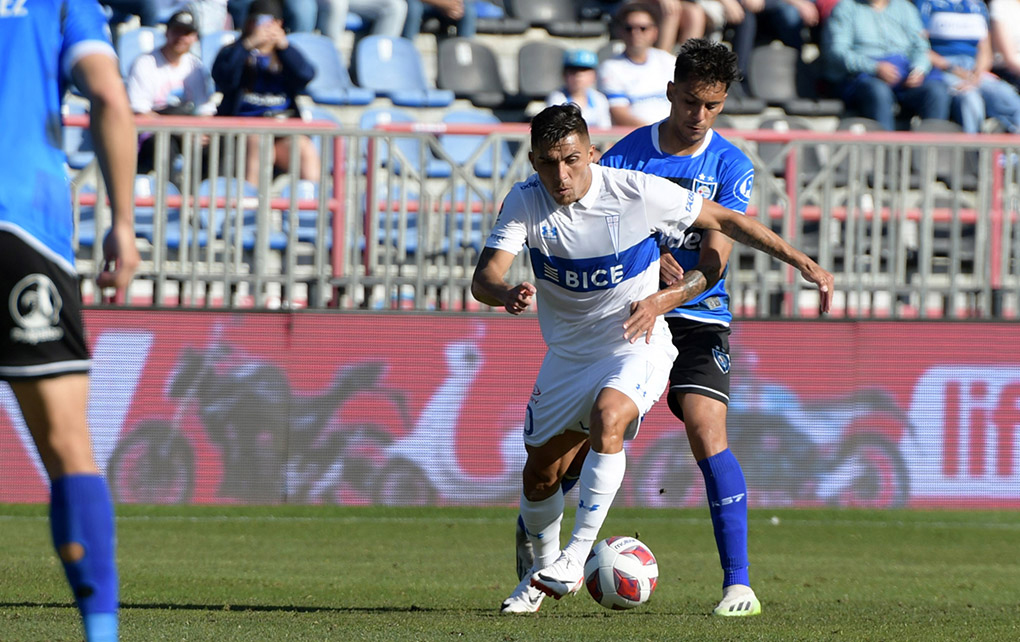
x=41 y=331
x=703 y=365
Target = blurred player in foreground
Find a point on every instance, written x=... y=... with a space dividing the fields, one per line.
x=589 y=231
x=42 y=341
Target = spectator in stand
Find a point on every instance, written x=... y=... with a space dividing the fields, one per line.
x=169 y=81
x=741 y=16
x=680 y=21
x=961 y=55
x=146 y=10
x=635 y=80
x=261 y=75
x=210 y=14
x=785 y=20
x=876 y=52
x=456 y=15
x=1005 y=37
x=579 y=79
x=387 y=17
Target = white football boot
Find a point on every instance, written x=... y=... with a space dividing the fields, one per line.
x=562 y=577
x=525 y=598
x=738 y=601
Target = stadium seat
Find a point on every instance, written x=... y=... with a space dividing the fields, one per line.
x=739 y=103
x=332 y=82
x=857 y=125
x=394 y=68
x=145 y=215
x=944 y=171
x=306 y=230
x=559 y=17
x=86 y=230
x=469 y=69
x=610 y=49
x=492 y=18
x=539 y=69
x=135 y=42
x=407 y=150
x=77 y=140
x=461 y=147
x=211 y=43
x=315 y=112
x=772 y=153
x=778 y=75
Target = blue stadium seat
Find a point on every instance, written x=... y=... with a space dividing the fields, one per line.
x=394 y=68
x=212 y=42
x=77 y=140
x=332 y=82
x=409 y=149
x=87 y=220
x=145 y=224
x=307 y=220
x=135 y=42
x=460 y=147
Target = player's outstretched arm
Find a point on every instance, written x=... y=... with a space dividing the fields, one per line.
x=490 y=287
x=113 y=130
x=753 y=234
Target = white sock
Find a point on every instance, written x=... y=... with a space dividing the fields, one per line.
x=542 y=520
x=601 y=477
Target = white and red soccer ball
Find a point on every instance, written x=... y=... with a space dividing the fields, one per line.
x=621 y=573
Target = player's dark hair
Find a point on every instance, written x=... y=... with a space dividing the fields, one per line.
x=553 y=124
x=701 y=60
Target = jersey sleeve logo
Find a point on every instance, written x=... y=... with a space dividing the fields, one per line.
x=742 y=188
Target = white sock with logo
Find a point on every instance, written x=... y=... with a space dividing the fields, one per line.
x=601 y=478
x=542 y=521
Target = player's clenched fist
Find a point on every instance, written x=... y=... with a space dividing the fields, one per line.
x=519 y=298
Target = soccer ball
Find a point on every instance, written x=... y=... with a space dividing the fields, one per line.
x=621 y=573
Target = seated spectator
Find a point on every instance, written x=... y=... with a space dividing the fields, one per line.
x=386 y=17
x=680 y=21
x=1005 y=37
x=457 y=15
x=876 y=53
x=146 y=10
x=579 y=88
x=961 y=55
x=169 y=81
x=635 y=80
x=210 y=14
x=785 y=21
x=261 y=75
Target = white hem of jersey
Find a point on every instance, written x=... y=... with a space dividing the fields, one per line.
x=689 y=317
x=44 y=369
x=691 y=385
x=698 y=152
x=39 y=247
x=84 y=48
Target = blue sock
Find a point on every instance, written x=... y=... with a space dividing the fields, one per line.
x=727 y=503
x=81 y=513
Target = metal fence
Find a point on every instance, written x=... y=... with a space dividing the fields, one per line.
x=912 y=224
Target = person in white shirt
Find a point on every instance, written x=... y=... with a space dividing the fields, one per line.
x=635 y=80
x=589 y=231
x=169 y=81
x=579 y=87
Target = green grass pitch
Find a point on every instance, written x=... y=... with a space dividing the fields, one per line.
x=327 y=573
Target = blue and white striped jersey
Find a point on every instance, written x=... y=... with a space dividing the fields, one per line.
x=593 y=258
x=40 y=41
x=718 y=171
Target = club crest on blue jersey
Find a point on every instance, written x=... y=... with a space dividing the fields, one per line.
x=742 y=188
x=722 y=360
x=705 y=186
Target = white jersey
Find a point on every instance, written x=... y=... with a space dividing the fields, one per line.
x=641 y=86
x=593 y=258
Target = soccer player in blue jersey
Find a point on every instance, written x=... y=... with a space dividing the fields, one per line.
x=685 y=149
x=590 y=232
x=42 y=343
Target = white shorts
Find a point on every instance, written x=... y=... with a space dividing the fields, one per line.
x=565 y=390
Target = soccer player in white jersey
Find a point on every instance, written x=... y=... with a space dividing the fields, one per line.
x=590 y=231
x=42 y=342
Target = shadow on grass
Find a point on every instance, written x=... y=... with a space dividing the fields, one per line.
x=265 y=608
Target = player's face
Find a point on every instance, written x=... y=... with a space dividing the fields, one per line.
x=695 y=106
x=564 y=168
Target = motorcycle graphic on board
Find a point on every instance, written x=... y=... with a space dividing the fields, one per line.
x=841 y=451
x=274 y=445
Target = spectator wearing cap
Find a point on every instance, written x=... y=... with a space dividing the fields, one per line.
x=169 y=81
x=261 y=75
x=635 y=80
x=579 y=79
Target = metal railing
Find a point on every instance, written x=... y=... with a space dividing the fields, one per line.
x=913 y=225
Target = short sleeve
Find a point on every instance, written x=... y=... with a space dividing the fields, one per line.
x=670 y=208
x=735 y=187
x=85 y=31
x=510 y=233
